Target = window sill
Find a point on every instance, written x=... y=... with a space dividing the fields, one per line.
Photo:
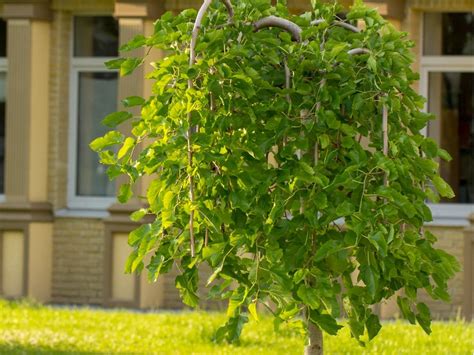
x=81 y=213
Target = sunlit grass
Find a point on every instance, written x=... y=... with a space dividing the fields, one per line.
x=30 y=329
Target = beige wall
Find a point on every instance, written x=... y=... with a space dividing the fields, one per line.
x=13 y=264
x=123 y=285
x=40 y=261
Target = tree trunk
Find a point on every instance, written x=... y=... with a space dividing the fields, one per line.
x=315 y=335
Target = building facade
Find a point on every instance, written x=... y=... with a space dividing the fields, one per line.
x=63 y=239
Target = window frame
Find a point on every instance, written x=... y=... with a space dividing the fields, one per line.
x=80 y=65
x=445 y=214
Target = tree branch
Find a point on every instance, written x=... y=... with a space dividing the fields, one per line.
x=273 y=21
x=192 y=59
x=358 y=51
x=385 y=136
x=342 y=24
x=230 y=10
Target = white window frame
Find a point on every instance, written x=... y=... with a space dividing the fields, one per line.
x=446 y=214
x=81 y=65
x=3 y=69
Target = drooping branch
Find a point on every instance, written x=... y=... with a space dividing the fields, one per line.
x=342 y=24
x=358 y=51
x=273 y=21
x=230 y=10
x=192 y=60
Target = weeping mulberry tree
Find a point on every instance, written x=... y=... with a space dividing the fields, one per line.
x=284 y=152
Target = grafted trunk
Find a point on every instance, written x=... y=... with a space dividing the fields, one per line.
x=315 y=335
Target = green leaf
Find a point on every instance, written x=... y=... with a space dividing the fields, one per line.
x=232 y=329
x=253 y=311
x=405 y=308
x=236 y=300
x=129 y=65
x=325 y=322
x=369 y=277
x=430 y=148
x=345 y=209
x=214 y=274
x=326 y=249
x=372 y=64
x=442 y=186
x=127 y=145
x=424 y=317
x=114 y=63
x=125 y=193
x=186 y=283
x=338 y=48
x=324 y=141
x=443 y=154
x=132 y=101
x=137 y=235
x=378 y=240
x=109 y=139
x=309 y=296
x=137 y=42
x=138 y=215
x=373 y=326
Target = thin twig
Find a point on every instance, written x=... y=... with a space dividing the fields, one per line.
x=385 y=136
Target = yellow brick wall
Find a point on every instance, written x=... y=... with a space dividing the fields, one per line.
x=78 y=261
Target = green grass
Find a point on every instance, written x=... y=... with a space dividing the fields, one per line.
x=30 y=329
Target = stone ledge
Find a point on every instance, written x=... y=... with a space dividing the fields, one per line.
x=26 y=212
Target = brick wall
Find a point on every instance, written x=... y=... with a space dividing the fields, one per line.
x=78 y=257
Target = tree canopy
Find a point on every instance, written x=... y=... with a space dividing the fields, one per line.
x=286 y=155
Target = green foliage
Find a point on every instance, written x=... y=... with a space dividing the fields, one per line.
x=274 y=229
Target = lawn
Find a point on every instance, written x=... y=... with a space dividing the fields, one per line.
x=27 y=329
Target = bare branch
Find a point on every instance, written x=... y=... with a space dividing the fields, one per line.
x=358 y=51
x=192 y=59
x=342 y=24
x=385 y=136
x=230 y=10
x=197 y=26
x=287 y=79
x=274 y=21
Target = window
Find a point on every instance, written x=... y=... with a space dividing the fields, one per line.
x=447 y=77
x=3 y=96
x=94 y=91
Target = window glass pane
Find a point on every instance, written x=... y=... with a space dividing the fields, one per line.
x=3 y=38
x=449 y=33
x=3 y=93
x=95 y=36
x=97 y=98
x=451 y=99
